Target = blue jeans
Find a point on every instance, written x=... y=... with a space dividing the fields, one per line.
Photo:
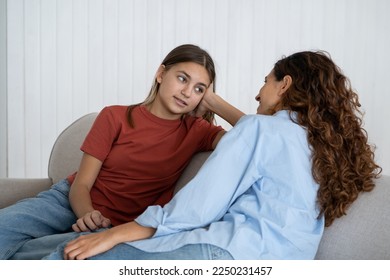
x=38 y=248
x=127 y=252
x=48 y=213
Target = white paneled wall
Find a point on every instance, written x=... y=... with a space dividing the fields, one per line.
x=68 y=58
x=3 y=89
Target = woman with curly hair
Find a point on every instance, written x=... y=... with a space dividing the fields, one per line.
x=271 y=186
x=323 y=101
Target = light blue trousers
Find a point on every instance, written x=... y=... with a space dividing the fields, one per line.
x=47 y=214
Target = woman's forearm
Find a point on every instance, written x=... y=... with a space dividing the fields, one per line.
x=89 y=245
x=131 y=231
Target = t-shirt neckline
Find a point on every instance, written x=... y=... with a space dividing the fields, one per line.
x=156 y=119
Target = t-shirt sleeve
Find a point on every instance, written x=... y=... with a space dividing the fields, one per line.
x=102 y=135
x=209 y=132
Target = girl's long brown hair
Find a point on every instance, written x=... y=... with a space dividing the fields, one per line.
x=322 y=97
x=183 y=53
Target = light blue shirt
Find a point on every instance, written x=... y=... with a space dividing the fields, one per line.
x=254 y=197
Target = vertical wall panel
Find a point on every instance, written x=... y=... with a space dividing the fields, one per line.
x=168 y=23
x=80 y=58
x=110 y=52
x=205 y=34
x=220 y=51
x=95 y=54
x=125 y=44
x=372 y=78
x=64 y=66
x=69 y=58
x=15 y=89
x=3 y=88
x=49 y=69
x=32 y=87
x=245 y=31
x=154 y=43
x=141 y=80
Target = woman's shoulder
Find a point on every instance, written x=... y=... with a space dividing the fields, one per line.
x=281 y=123
x=279 y=117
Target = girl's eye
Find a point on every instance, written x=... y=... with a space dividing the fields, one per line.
x=199 y=90
x=182 y=78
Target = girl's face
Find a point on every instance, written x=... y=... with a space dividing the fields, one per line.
x=181 y=89
x=270 y=95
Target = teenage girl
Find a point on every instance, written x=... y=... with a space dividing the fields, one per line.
x=132 y=156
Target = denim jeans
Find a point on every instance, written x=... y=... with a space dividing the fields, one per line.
x=127 y=252
x=38 y=248
x=48 y=213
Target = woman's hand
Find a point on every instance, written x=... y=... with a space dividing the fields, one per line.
x=91 y=221
x=88 y=245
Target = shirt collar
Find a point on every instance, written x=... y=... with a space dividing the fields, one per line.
x=287 y=115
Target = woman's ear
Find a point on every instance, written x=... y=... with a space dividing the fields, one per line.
x=287 y=81
x=160 y=73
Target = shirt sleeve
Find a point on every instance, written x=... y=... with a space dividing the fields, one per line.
x=207 y=131
x=226 y=175
x=102 y=135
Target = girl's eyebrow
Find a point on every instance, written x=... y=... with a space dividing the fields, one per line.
x=189 y=77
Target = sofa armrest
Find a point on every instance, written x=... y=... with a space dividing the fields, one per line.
x=12 y=190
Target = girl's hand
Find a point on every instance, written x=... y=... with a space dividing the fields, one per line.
x=88 y=245
x=205 y=104
x=91 y=221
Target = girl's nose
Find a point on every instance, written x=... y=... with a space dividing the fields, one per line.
x=186 y=92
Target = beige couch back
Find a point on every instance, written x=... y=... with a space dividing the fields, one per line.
x=66 y=155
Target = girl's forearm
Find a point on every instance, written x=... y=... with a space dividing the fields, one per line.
x=80 y=200
x=79 y=195
x=224 y=109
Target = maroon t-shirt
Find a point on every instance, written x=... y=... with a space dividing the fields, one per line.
x=141 y=165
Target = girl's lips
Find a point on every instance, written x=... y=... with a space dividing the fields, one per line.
x=180 y=102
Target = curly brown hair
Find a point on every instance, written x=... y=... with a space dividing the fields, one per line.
x=342 y=159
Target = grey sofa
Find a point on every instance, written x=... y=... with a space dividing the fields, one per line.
x=364 y=233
